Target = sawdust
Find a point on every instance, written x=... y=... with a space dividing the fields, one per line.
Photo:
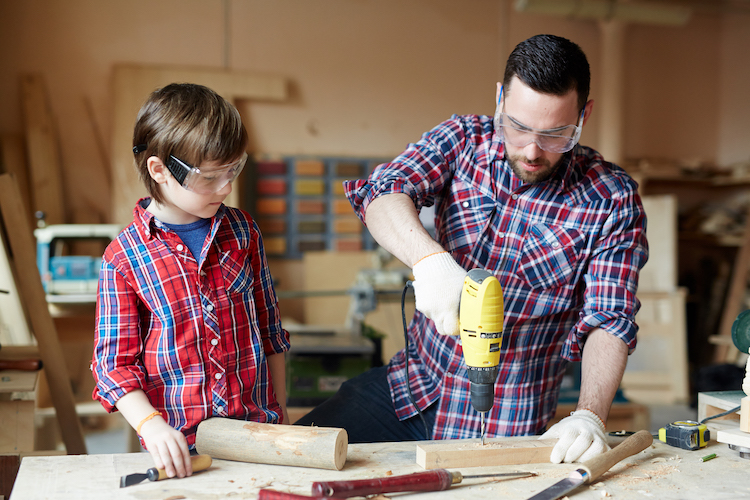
x=643 y=474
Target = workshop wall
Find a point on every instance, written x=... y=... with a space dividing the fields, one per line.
x=366 y=76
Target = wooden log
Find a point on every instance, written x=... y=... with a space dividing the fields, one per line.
x=273 y=444
x=455 y=453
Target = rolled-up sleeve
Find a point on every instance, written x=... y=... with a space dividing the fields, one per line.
x=610 y=301
x=275 y=339
x=421 y=171
x=116 y=365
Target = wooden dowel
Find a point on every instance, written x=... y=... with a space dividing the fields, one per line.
x=274 y=444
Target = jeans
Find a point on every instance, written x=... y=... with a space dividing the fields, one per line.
x=363 y=407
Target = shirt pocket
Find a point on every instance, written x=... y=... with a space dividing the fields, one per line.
x=550 y=256
x=467 y=216
x=237 y=271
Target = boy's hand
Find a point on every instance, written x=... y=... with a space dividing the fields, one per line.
x=168 y=447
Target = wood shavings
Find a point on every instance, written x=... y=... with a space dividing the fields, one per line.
x=604 y=494
x=389 y=473
x=658 y=460
x=176 y=497
x=596 y=486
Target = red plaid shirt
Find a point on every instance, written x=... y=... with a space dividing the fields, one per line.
x=193 y=334
x=567 y=252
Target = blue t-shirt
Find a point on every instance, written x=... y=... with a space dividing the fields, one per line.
x=193 y=235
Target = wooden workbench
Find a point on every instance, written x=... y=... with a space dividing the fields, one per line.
x=661 y=472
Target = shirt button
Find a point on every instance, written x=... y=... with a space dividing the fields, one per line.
x=515 y=196
x=555 y=244
x=217 y=376
x=214 y=341
x=465 y=204
x=209 y=308
x=501 y=235
x=180 y=248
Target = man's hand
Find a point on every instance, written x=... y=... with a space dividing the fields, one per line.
x=581 y=437
x=168 y=447
x=438 y=281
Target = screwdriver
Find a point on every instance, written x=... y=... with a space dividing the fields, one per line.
x=432 y=480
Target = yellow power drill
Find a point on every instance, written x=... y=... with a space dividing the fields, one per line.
x=481 y=324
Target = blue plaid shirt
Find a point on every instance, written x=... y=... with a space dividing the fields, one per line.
x=567 y=252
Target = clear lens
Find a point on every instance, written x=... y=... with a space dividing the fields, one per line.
x=210 y=180
x=518 y=135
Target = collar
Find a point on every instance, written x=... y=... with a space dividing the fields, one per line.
x=147 y=223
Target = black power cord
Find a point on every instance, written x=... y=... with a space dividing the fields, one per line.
x=406 y=342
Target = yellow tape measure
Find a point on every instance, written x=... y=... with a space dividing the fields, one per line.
x=685 y=434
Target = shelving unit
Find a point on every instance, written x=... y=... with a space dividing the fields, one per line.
x=706 y=255
x=300 y=206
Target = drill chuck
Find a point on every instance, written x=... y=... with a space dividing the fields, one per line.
x=482 y=387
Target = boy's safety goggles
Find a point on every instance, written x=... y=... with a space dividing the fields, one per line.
x=205 y=181
x=518 y=135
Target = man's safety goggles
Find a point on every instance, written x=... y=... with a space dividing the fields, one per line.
x=518 y=135
x=204 y=181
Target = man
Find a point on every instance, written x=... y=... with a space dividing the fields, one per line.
x=561 y=229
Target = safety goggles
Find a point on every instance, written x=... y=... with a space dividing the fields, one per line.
x=204 y=181
x=518 y=135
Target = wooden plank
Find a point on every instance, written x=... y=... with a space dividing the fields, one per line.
x=734 y=436
x=660 y=272
x=13 y=161
x=733 y=304
x=453 y=453
x=660 y=471
x=16 y=426
x=43 y=150
x=29 y=284
x=657 y=372
x=14 y=330
x=715 y=402
x=134 y=83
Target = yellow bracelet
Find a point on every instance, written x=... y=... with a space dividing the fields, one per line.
x=149 y=417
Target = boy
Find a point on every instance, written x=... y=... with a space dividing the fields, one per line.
x=187 y=323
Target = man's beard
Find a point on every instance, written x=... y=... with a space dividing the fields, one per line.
x=533 y=177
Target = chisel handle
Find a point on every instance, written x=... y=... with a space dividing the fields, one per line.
x=30 y=365
x=602 y=463
x=265 y=494
x=200 y=462
x=432 y=480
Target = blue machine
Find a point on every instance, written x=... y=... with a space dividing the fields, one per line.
x=62 y=272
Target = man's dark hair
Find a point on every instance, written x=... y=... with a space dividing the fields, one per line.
x=551 y=65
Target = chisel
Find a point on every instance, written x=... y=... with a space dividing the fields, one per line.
x=199 y=462
x=592 y=469
x=432 y=480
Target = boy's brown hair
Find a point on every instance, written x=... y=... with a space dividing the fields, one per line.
x=191 y=122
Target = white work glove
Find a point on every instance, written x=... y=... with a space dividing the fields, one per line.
x=438 y=282
x=581 y=437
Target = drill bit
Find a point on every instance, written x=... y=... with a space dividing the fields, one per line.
x=481 y=414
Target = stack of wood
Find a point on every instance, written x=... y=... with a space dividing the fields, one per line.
x=657 y=372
